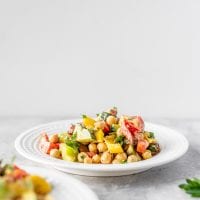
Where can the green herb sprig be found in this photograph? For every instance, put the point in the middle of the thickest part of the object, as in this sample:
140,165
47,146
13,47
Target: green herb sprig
72,141
120,139
192,187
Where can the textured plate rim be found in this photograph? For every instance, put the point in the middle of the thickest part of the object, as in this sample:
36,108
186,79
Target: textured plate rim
101,167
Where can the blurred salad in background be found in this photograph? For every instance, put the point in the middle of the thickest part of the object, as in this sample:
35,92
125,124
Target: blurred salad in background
17,184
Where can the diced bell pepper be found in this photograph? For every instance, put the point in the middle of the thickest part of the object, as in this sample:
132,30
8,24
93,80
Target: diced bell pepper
110,139
88,122
115,148
99,135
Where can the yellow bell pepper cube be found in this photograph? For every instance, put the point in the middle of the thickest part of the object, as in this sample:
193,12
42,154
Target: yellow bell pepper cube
151,140
88,122
99,135
110,139
41,186
115,148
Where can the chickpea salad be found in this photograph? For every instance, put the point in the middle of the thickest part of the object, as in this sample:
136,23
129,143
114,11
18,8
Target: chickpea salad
17,184
106,139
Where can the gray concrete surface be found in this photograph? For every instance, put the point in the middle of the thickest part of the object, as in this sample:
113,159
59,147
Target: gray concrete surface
155,184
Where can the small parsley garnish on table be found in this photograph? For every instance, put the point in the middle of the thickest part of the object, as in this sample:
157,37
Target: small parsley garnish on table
192,187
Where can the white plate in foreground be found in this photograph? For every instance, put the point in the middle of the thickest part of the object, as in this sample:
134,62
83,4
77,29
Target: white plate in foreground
173,146
64,186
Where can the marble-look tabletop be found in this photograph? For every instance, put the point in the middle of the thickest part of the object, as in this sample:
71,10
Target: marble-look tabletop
160,183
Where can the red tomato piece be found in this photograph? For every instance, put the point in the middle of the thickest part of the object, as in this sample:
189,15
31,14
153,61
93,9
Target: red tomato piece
16,167
129,130
19,173
106,128
57,145
142,146
127,133
47,146
90,154
131,127
138,123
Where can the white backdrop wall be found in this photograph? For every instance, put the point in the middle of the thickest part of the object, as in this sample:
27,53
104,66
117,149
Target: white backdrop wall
71,57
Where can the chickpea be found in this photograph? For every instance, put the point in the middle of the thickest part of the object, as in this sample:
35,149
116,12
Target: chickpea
99,124
138,156
121,157
82,156
102,147
147,154
54,138
92,147
132,158
96,159
88,160
83,148
106,158
119,132
130,150
111,120
55,153
115,161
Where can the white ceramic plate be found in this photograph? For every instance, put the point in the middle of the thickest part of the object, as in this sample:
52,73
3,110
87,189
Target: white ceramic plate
64,186
173,146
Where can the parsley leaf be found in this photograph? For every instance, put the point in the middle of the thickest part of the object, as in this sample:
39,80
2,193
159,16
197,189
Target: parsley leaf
192,187
114,127
104,115
153,147
74,136
151,135
120,139
72,141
